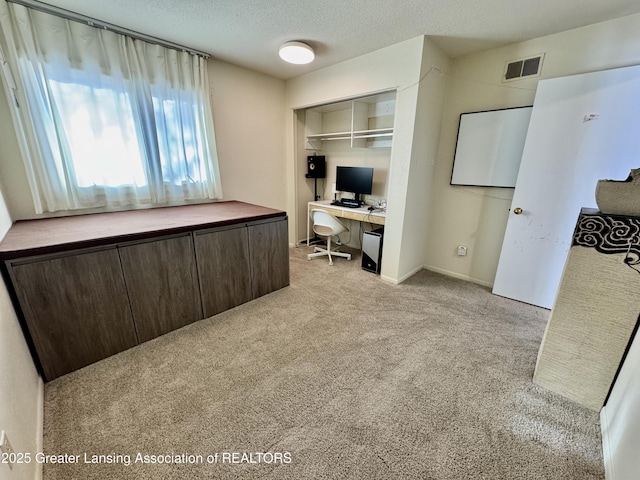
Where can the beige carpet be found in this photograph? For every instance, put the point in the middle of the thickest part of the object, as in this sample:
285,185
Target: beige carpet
339,376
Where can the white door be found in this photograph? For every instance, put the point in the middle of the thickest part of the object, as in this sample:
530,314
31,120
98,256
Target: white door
583,128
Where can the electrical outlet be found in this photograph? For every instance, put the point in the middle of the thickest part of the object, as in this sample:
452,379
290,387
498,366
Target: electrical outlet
462,250
6,448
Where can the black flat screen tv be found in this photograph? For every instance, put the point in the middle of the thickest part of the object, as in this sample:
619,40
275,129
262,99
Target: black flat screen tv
357,180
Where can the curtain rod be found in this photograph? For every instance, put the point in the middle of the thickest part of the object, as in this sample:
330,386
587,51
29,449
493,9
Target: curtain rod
92,22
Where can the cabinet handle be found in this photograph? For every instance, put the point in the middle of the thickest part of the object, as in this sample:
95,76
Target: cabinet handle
517,210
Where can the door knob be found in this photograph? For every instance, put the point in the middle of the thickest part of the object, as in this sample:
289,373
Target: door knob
517,210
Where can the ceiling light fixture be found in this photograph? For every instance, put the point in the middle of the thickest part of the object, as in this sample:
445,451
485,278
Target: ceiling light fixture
296,52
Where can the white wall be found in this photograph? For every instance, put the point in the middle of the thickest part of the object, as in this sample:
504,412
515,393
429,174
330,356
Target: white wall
12,173
620,421
396,67
475,216
21,389
430,102
248,115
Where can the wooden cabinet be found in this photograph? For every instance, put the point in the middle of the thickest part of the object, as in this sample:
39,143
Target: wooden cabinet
76,309
91,286
162,282
224,268
239,264
269,252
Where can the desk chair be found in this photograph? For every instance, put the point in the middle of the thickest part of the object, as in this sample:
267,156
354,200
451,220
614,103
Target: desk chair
326,225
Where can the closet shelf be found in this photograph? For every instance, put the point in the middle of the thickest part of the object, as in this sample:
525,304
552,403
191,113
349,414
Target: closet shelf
376,133
365,122
330,136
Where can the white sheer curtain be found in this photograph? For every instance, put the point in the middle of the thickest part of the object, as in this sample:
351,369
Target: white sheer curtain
107,120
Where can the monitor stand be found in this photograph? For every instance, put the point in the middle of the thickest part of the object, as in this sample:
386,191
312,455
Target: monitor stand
351,202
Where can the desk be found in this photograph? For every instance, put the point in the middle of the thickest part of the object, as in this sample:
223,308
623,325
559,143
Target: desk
359,214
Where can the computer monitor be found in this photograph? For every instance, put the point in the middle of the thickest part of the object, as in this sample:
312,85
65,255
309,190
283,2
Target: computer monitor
357,180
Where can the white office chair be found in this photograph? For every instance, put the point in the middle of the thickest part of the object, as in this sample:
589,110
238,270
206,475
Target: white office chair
326,225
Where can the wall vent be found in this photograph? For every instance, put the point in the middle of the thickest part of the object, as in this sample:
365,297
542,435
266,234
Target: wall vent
524,67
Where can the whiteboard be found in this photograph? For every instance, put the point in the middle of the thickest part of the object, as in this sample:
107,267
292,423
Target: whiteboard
489,147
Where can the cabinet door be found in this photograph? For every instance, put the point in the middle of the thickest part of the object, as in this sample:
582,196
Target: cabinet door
223,266
162,282
269,248
76,309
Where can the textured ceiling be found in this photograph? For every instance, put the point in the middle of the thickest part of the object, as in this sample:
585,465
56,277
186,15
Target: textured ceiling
249,32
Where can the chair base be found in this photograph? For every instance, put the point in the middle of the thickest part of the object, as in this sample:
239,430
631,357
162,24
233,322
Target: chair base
321,252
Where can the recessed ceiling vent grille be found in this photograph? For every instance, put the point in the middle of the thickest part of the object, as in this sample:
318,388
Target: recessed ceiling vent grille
525,67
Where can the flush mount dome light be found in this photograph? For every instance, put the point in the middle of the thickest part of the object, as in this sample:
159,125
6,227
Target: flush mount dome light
296,52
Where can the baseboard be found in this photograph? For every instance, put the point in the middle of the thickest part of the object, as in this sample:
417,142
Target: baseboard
397,281
437,270
389,279
606,445
458,275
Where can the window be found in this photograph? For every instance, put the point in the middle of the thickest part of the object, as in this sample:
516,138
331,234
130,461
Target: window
100,131
108,121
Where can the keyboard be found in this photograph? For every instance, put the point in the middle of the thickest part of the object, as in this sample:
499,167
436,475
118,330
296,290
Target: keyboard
347,204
